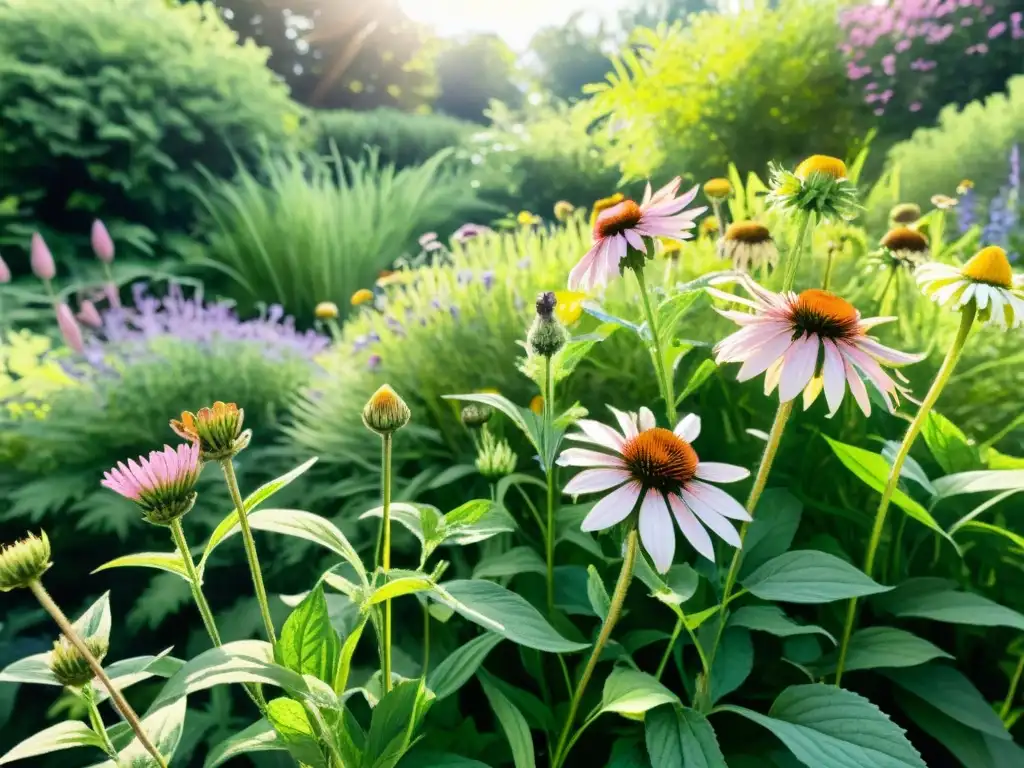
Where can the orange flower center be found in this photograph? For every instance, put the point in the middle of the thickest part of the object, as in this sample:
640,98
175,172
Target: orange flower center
660,459
825,314
748,232
823,164
617,219
990,265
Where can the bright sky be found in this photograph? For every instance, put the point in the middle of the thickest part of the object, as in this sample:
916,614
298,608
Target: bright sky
514,20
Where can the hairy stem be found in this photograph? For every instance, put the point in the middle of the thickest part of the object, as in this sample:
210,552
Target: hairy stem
549,529
194,582
96,721
386,553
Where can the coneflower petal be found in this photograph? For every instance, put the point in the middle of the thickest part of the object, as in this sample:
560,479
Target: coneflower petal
691,528
613,508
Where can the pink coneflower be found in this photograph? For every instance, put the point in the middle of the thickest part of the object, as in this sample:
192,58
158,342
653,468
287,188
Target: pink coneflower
163,484
810,342
656,471
626,225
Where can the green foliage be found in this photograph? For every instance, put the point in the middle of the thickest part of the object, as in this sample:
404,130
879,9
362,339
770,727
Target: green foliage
685,97
473,72
400,138
106,107
306,230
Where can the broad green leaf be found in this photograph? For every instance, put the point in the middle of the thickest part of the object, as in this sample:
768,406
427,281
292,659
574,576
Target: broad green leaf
393,723
538,715
460,665
230,523
630,692
289,719
873,470
308,643
1015,538
703,372
827,726
971,747
679,736
161,561
500,610
425,759
466,514
681,584
771,533
495,520
397,587
33,669
933,600
96,620
695,620
164,726
258,737
628,753
671,311
519,416
888,648
951,693
512,723
596,593
66,735
128,672
980,481
409,516
948,444
510,563
809,576
774,621
348,649
733,663
573,353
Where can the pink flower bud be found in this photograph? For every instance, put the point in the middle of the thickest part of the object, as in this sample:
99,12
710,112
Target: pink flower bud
5,272
113,296
89,315
69,328
102,245
42,260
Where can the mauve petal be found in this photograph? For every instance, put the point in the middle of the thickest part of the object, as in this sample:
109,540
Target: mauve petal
834,376
772,376
857,388
718,500
656,531
581,457
594,480
761,359
721,473
646,419
612,509
712,519
691,528
626,423
635,240
887,354
798,367
579,277
688,427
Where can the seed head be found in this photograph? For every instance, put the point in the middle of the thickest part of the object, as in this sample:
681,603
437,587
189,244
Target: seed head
326,310
717,189
905,239
563,210
218,430
748,232
24,561
68,664
475,415
905,213
362,296
385,412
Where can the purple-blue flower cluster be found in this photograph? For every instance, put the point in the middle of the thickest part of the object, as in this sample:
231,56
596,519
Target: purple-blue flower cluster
1004,210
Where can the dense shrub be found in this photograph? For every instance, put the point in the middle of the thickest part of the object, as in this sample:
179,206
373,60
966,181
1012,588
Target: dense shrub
686,97
107,105
400,138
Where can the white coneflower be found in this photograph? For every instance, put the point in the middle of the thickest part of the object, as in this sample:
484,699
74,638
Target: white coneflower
749,246
986,281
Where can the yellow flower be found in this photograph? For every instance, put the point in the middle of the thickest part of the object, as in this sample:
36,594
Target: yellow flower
832,167
563,210
717,189
671,248
569,306
604,204
709,226
537,404
362,296
326,310
964,186
527,219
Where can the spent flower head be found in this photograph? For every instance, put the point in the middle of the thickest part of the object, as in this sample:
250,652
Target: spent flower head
475,415
749,245
163,484
68,664
656,474
819,185
24,561
986,281
217,430
905,213
385,412
546,335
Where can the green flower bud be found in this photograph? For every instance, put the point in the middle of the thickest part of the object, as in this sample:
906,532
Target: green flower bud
386,412
24,561
68,664
495,458
476,415
546,336
218,430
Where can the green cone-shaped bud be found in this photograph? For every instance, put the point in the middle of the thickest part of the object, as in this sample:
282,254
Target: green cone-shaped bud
24,561
386,412
68,664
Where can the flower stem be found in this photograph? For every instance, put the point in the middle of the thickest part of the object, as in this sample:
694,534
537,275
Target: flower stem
178,534
943,375
549,472
426,641
828,268
386,553
122,706
614,611
794,256
680,623
885,289
716,206
664,377
250,549
760,480
1011,694
96,721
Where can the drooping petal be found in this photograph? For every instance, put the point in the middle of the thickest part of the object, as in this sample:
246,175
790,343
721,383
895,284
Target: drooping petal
688,427
594,480
721,473
656,531
613,508
718,500
581,457
712,519
691,528
834,375
580,276
798,366
767,354
857,388
887,354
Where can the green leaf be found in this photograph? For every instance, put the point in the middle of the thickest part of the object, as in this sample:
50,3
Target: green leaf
164,726
258,737
827,726
409,516
162,561
309,644
704,372
671,311
873,470
936,601
128,672
980,481
1015,538
733,663
809,576
630,692
774,621
66,735
397,586
948,444
951,693
422,759
510,563
500,610
460,665
33,669
230,523
348,649
888,648
519,416
95,622
772,530
495,520
512,723
289,719
679,736
681,584
596,593
467,514
393,723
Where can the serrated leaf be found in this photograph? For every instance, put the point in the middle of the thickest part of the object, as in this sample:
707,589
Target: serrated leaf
888,648
466,514
774,621
935,600
289,719
258,737
733,663
631,692
512,723
308,643
170,562
679,737
809,576
460,665
66,735
697,379
971,747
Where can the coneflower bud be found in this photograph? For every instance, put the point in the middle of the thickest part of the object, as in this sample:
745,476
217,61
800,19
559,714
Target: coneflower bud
41,259
825,165
69,328
546,304
386,412
217,430
68,664
717,189
24,561
113,295
102,245
89,315
326,310
5,272
495,458
546,336
905,213
475,415
563,210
